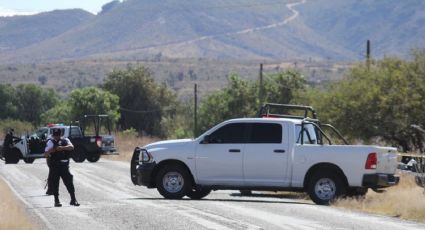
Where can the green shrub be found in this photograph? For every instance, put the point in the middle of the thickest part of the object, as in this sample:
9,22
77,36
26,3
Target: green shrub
20,127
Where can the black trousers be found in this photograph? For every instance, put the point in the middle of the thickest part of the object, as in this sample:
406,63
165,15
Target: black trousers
57,171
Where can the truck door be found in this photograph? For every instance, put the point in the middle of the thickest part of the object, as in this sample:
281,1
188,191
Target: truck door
219,162
266,155
22,145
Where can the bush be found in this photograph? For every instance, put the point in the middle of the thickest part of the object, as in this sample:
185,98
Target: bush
20,127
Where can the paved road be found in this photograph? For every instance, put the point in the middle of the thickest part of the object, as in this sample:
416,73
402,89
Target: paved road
110,201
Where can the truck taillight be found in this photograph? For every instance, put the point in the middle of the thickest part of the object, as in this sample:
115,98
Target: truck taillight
99,141
371,161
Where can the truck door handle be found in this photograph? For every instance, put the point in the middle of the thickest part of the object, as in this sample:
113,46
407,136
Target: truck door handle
279,151
234,150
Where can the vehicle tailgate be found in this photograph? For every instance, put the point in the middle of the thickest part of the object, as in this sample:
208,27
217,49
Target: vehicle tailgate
387,160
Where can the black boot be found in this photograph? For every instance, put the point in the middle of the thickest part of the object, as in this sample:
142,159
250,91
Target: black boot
74,201
57,202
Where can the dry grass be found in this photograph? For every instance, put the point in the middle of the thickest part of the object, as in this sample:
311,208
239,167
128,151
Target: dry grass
406,200
12,214
126,144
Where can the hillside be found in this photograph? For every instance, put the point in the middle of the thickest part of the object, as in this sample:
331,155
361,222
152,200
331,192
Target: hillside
394,27
240,29
21,31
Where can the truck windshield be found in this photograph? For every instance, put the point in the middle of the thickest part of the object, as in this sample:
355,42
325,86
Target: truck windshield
41,132
309,134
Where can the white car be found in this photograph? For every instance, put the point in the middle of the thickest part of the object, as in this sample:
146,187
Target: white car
276,154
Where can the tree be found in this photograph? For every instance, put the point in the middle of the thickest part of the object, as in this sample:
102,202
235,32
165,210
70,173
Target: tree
8,108
382,101
240,98
144,103
32,100
61,113
91,100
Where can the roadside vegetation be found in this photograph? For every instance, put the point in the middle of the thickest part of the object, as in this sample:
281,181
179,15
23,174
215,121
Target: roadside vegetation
406,201
12,215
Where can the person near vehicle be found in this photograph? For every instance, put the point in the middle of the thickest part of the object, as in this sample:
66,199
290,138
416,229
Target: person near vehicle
9,139
58,150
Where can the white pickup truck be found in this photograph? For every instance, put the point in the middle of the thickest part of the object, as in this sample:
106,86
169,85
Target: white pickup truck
269,153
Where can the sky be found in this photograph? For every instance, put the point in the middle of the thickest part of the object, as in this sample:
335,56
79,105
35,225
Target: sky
25,7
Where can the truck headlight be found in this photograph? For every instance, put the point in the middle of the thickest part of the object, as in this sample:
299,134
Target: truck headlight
145,157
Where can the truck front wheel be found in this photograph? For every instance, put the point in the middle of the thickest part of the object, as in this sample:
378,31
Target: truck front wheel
173,182
324,187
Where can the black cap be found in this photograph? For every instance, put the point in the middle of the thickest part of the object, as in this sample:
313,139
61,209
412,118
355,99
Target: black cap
56,132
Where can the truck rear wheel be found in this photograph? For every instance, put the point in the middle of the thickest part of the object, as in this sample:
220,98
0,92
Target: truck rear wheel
324,187
173,182
78,155
93,157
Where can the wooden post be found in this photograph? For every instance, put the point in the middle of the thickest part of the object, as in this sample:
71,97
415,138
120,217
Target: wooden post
261,93
368,54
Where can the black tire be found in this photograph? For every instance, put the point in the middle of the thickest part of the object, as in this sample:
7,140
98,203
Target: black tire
93,157
29,160
198,193
78,155
133,166
245,192
173,181
324,187
13,156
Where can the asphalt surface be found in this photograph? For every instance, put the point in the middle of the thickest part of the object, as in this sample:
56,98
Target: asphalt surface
110,201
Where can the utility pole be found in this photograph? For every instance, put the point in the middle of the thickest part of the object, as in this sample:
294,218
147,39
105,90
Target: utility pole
368,54
195,115
261,93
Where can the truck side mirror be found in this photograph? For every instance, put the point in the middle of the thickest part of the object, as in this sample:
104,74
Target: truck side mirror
206,139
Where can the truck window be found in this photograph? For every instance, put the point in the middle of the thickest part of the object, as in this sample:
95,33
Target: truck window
309,134
75,132
41,133
265,133
62,131
230,133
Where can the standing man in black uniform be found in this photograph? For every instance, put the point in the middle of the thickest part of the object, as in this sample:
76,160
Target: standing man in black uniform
58,149
9,140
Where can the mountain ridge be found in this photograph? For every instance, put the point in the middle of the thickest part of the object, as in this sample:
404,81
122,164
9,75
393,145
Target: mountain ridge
242,29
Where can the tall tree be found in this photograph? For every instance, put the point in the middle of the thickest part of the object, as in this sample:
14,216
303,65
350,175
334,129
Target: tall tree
32,101
91,100
382,101
8,106
144,103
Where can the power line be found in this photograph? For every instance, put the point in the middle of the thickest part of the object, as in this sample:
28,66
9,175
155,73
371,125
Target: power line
146,111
